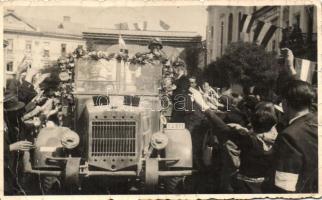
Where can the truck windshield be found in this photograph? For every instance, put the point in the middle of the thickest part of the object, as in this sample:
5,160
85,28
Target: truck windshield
117,77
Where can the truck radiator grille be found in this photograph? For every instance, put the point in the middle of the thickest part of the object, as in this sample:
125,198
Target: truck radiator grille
113,138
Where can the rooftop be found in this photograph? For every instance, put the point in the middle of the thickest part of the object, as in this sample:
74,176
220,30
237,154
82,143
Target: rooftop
16,23
142,36
13,22
142,33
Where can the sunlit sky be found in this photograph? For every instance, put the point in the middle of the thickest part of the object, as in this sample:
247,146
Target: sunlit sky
187,18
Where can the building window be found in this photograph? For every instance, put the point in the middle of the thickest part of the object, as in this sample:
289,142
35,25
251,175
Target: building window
9,48
297,19
63,49
212,32
274,46
10,66
239,24
66,18
46,50
310,22
221,38
286,14
28,46
230,28
46,53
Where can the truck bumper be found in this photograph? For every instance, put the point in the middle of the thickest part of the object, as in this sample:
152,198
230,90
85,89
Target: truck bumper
87,173
134,173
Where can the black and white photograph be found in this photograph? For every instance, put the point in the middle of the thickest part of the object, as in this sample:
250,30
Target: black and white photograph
160,100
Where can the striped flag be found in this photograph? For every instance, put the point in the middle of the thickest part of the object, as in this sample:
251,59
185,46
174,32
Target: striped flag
246,22
141,26
145,25
122,44
263,33
136,26
122,26
164,26
305,69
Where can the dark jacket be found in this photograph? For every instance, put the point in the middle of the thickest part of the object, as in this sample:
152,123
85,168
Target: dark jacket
9,164
296,156
181,100
25,90
254,161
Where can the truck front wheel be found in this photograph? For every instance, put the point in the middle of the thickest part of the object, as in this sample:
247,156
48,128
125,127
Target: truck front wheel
174,184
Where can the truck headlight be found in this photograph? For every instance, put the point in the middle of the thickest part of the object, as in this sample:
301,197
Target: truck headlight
159,140
70,139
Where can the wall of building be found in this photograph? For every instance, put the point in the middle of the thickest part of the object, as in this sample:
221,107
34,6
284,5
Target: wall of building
35,47
222,29
218,26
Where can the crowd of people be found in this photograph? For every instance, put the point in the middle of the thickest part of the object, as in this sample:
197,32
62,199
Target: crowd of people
257,142
33,99
262,141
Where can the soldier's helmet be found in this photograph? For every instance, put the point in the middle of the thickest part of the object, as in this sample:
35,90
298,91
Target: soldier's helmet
155,42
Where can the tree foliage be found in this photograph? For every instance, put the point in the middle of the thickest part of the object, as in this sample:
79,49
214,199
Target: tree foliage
243,63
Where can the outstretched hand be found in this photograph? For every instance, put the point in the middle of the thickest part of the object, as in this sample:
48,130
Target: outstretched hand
289,59
21,146
242,130
31,72
198,98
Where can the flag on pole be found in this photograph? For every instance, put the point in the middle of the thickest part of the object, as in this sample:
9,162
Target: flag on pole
145,25
305,69
122,26
136,26
263,33
247,22
164,26
257,30
122,44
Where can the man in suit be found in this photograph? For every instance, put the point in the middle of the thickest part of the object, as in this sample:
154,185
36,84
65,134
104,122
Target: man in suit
180,97
296,148
14,144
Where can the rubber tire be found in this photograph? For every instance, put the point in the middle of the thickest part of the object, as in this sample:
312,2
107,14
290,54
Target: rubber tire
51,185
173,185
151,175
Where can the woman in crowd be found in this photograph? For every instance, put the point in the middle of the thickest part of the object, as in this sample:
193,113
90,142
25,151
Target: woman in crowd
255,145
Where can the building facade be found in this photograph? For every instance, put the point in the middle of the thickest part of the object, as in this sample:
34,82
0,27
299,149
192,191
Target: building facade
224,25
37,41
41,41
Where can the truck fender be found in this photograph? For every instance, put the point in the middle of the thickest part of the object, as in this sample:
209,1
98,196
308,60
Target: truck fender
179,147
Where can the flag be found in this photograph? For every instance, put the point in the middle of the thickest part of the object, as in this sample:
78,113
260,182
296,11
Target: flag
122,26
269,34
305,69
136,26
145,25
117,26
122,44
263,33
257,30
164,26
246,22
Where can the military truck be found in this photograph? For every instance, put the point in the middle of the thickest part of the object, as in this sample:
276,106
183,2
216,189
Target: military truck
122,132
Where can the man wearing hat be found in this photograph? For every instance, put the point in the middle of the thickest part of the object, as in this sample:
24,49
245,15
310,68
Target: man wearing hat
155,46
22,86
13,144
180,98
